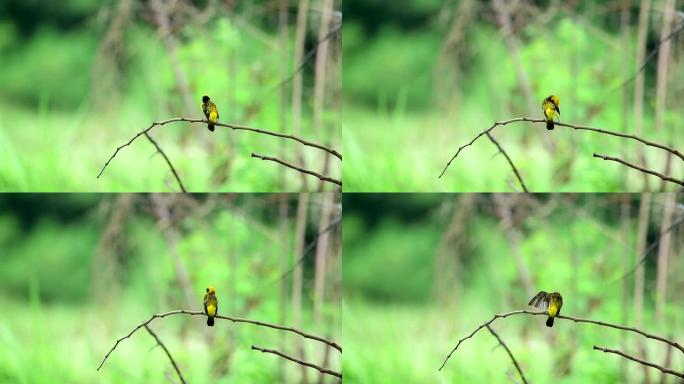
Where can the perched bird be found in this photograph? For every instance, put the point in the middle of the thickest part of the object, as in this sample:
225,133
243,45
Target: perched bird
549,302
210,305
550,110
210,111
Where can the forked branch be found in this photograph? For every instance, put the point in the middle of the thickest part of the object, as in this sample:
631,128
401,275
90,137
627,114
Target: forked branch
233,319
575,319
231,126
672,150
298,361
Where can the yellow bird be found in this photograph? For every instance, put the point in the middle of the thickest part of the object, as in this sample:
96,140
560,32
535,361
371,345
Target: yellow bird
549,302
550,110
210,111
210,305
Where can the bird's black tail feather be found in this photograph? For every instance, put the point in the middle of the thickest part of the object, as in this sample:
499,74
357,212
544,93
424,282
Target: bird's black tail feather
549,125
211,127
210,320
549,322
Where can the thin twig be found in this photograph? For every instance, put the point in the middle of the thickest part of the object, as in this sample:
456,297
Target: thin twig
175,366
231,126
300,169
642,169
653,245
624,328
576,127
652,365
302,362
175,174
496,316
515,170
574,319
233,319
515,362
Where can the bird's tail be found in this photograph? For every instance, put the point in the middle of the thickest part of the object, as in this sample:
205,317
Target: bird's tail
211,127
549,125
549,322
210,320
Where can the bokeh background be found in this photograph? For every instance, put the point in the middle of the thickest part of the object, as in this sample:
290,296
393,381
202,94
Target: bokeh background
81,77
422,78
422,271
80,271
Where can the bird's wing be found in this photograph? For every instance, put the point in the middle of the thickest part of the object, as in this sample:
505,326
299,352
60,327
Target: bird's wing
541,300
205,110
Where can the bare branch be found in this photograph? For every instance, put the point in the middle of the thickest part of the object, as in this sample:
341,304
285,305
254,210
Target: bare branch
308,172
175,174
517,174
231,126
576,127
574,319
496,316
642,169
652,365
515,362
233,319
175,366
302,362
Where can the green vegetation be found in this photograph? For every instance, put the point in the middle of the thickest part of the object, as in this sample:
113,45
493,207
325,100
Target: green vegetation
422,271
423,78
81,80
81,271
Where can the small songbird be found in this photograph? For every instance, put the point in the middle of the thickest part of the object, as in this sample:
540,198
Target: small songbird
549,302
550,109
210,111
210,305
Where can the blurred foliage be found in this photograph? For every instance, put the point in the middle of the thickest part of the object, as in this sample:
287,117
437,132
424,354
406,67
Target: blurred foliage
80,78
416,89
407,301
80,271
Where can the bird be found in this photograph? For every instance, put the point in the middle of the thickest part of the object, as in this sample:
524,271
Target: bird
210,111
549,302
550,109
210,305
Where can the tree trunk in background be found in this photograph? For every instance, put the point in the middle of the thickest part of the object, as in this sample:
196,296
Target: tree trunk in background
161,204
321,257
625,43
623,250
282,251
642,230
321,78
662,79
161,18
300,232
283,38
642,33
504,210
447,259
297,85
663,256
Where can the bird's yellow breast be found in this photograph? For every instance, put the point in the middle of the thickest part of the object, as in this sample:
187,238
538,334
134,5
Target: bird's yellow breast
211,310
553,309
213,115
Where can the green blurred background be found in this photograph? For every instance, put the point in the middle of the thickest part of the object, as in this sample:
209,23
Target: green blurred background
423,77
81,77
80,271
422,271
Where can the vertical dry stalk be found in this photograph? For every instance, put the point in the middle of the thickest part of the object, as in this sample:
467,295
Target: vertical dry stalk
297,276
284,244
663,257
283,37
662,77
642,33
642,230
321,77
297,83
504,209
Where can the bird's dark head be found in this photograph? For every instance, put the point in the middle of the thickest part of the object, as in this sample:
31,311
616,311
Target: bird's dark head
205,99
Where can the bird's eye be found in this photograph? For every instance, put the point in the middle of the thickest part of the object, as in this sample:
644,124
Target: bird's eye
207,289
